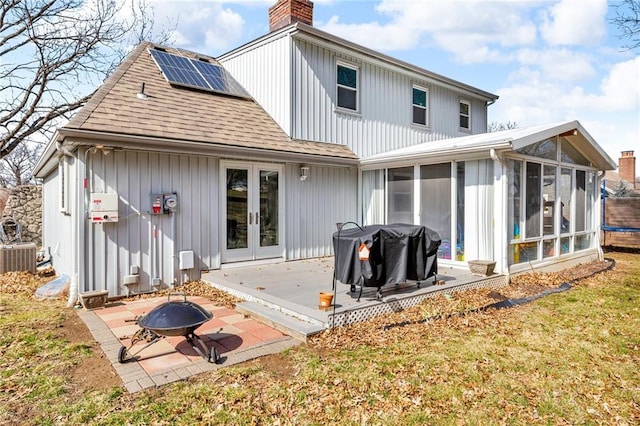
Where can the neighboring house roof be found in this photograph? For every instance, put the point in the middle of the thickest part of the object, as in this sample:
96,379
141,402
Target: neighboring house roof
182,116
503,141
612,181
307,32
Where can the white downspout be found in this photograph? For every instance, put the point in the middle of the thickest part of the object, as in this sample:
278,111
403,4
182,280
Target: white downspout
500,209
598,212
73,285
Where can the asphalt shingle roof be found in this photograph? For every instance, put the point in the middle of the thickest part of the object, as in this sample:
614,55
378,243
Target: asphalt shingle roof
185,114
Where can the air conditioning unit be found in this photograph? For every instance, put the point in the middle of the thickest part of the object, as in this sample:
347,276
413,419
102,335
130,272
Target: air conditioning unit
18,257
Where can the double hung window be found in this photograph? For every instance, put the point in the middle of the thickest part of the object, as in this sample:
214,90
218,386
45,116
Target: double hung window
465,115
347,87
420,108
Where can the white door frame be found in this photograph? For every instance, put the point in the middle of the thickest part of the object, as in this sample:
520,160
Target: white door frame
253,251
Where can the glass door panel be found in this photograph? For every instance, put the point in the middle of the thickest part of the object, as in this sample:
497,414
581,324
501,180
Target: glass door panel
269,211
252,212
237,208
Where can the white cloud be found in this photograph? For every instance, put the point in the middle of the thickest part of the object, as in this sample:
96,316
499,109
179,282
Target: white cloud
621,88
472,30
558,64
610,112
374,35
204,26
224,30
574,22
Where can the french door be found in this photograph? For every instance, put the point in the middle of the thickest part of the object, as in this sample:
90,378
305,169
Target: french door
252,211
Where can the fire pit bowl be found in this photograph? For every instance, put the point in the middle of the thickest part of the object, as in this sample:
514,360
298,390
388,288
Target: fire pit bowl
172,318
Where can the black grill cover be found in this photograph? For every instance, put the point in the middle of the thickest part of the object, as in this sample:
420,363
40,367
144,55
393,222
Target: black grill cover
398,252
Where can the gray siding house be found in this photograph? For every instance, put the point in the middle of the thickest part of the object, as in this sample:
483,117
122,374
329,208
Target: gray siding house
182,163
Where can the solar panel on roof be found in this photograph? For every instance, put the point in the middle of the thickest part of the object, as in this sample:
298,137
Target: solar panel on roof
213,74
178,69
195,73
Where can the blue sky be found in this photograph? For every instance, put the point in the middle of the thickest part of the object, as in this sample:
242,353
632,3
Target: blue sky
547,60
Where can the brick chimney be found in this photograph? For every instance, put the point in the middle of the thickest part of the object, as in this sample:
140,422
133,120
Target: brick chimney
286,12
627,167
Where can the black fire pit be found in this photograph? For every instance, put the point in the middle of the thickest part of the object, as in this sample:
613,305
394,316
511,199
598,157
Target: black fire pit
172,318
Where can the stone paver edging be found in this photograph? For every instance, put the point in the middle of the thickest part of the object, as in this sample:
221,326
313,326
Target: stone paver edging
135,378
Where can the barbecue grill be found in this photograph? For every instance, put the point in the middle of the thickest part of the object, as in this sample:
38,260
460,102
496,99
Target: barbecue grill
375,255
172,318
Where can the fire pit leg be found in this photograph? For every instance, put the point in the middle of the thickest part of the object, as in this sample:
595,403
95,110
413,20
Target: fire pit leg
211,355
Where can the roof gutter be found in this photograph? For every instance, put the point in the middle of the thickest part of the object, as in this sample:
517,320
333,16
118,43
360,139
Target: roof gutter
436,154
147,143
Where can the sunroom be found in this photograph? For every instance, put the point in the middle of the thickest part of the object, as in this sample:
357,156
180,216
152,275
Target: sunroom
524,198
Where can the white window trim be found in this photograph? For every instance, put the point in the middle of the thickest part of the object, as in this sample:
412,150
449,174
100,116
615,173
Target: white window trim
468,103
426,108
63,185
357,90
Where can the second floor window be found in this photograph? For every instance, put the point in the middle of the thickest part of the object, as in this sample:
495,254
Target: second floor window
465,115
420,105
347,78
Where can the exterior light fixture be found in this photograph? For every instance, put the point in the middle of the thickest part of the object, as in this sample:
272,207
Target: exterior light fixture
304,173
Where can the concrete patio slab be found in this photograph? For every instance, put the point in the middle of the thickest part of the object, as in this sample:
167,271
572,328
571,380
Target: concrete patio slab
292,289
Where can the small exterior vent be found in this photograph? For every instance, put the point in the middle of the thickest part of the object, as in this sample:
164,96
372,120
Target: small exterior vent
18,257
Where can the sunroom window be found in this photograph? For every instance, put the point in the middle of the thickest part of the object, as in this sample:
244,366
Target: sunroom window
435,193
551,203
400,200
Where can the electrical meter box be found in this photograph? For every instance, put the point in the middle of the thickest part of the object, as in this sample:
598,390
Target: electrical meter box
164,203
103,207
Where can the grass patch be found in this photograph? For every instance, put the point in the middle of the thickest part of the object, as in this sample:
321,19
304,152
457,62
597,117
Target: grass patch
569,358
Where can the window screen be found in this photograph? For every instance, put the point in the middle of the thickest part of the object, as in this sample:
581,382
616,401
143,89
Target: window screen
347,79
419,106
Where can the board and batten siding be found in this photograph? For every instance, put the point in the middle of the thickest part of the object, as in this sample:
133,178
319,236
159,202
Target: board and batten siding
312,209
112,248
57,227
314,206
265,72
295,82
384,119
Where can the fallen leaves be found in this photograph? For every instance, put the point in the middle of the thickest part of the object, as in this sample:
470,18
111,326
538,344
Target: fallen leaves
21,282
196,288
444,312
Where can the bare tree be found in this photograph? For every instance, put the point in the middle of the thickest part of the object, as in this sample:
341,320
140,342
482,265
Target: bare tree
627,20
54,52
494,126
16,167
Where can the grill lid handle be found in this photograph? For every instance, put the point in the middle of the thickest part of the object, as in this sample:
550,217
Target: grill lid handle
184,295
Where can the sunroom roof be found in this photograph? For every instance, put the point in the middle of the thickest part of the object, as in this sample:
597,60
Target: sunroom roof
480,145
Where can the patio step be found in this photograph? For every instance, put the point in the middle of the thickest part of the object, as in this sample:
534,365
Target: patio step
294,327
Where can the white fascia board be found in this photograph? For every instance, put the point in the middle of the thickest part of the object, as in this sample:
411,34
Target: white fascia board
475,152
154,144
260,41
591,150
606,162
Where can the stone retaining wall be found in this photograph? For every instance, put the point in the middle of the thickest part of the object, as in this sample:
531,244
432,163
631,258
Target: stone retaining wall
25,206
